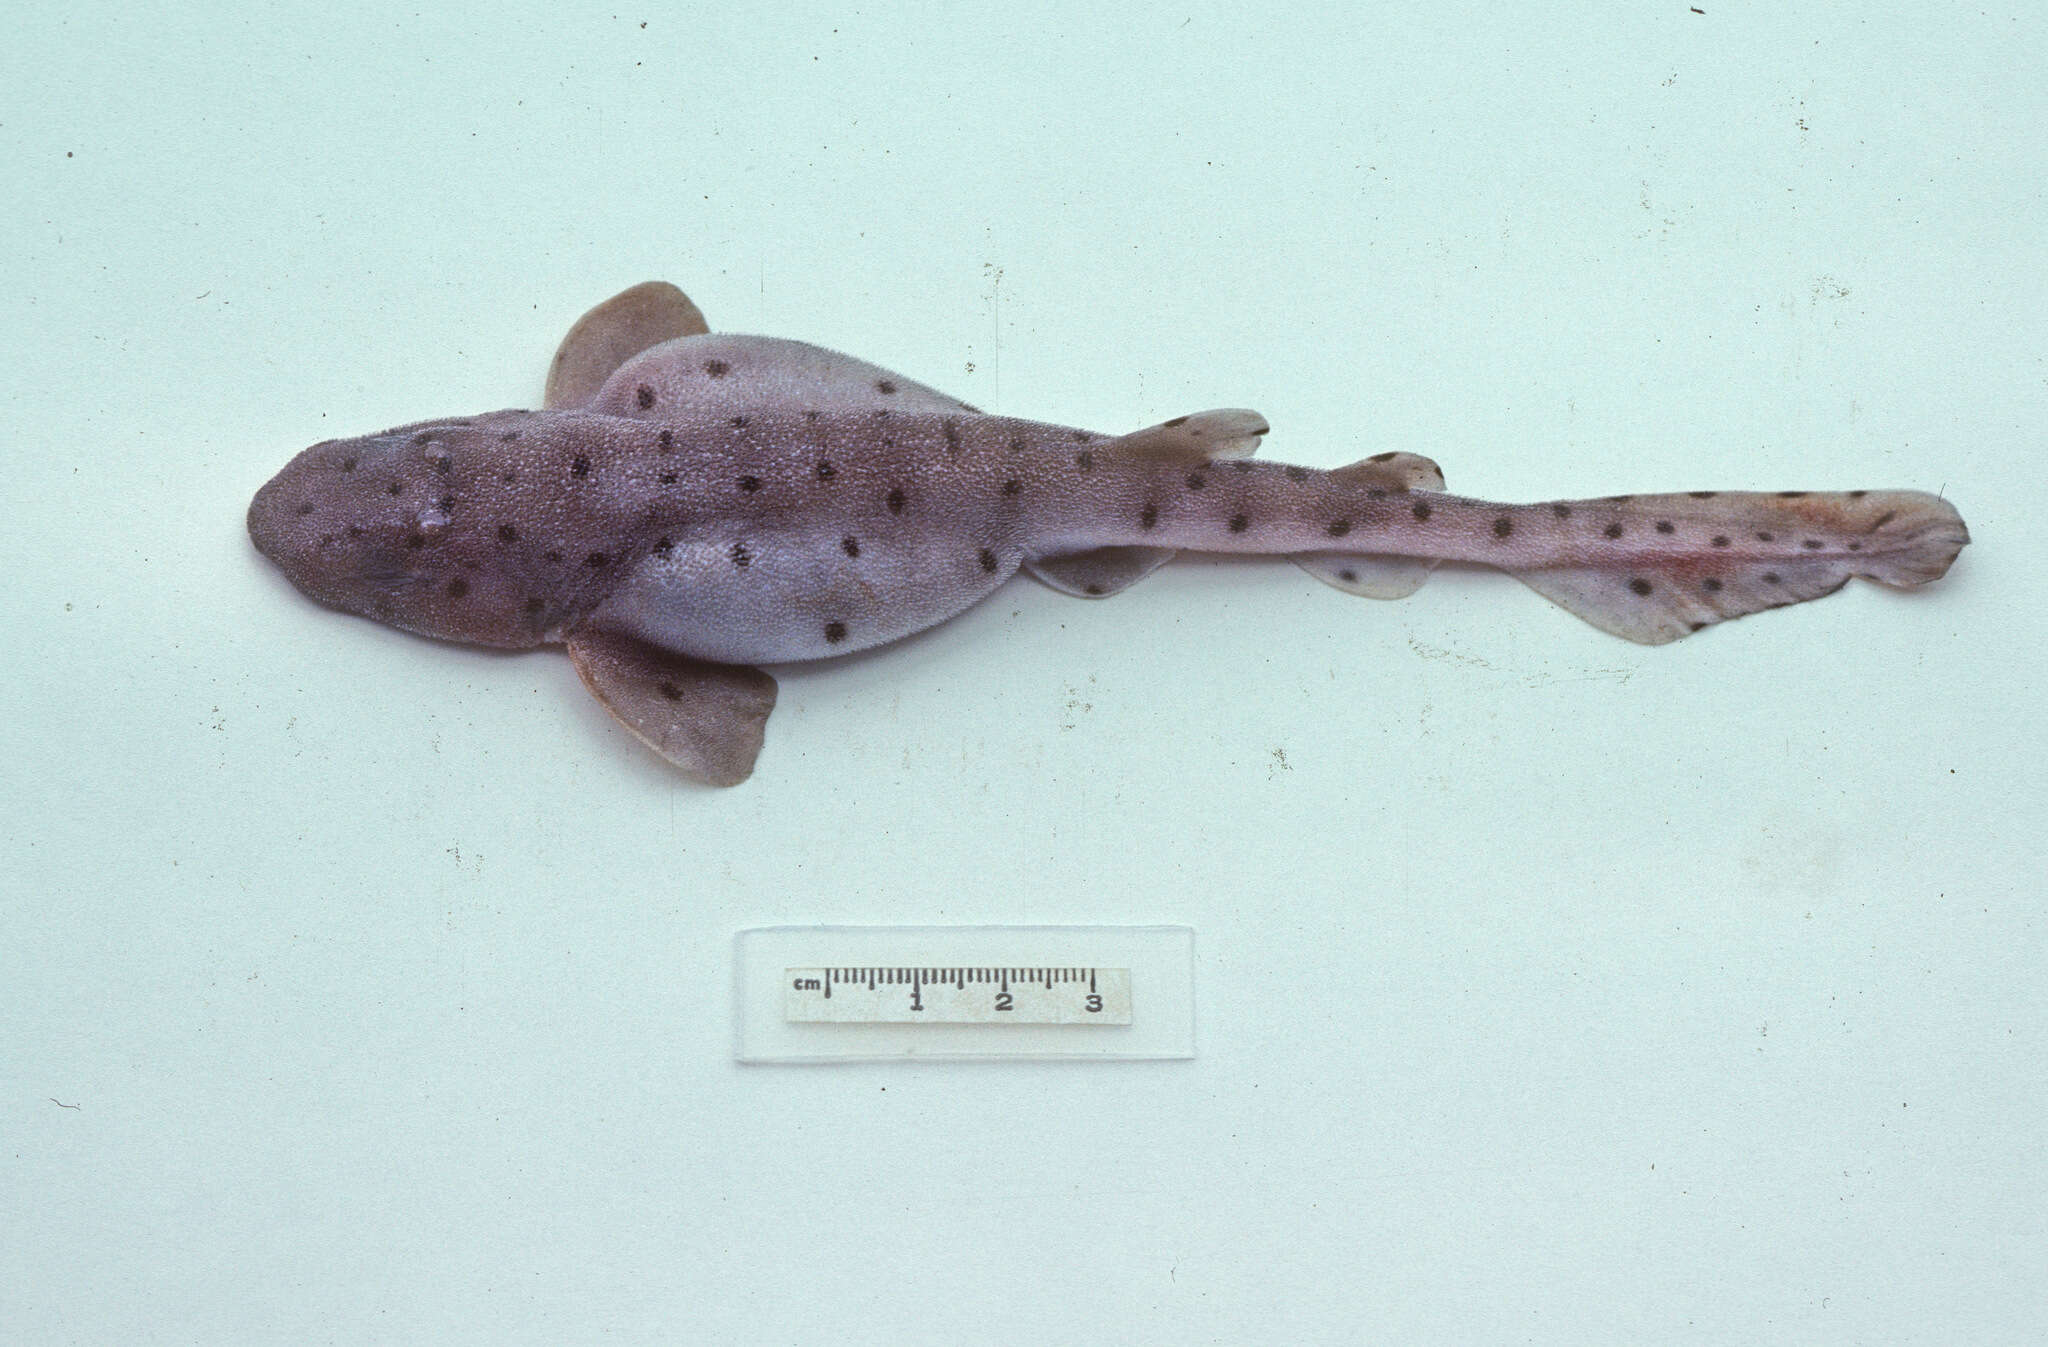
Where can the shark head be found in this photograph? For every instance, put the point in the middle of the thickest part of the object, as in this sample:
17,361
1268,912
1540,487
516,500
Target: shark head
376,526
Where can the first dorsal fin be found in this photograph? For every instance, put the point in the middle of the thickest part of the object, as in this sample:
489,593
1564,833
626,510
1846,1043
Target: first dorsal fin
614,332
1199,438
1230,432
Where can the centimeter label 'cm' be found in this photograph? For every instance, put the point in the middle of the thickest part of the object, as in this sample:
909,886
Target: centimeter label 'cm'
981,995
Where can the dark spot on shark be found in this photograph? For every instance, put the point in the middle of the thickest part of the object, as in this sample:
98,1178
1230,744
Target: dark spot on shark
444,503
552,556
349,464
1711,585
1196,481
1012,487
1296,473
1613,530
1242,465
1338,528
1149,516
850,545
896,500
1620,498
1855,547
305,508
1813,544
1770,577
664,546
1083,436
716,368
1764,537
1887,517
811,414
750,483
442,464
1084,460
1178,421
579,466
826,472
508,477
1421,511
667,479
1703,495
669,690
1719,540
1348,576
535,605
1381,458
1376,493
1641,586
507,534
952,428
1561,511
667,440
597,561
1016,444
1858,495
1697,626
1503,526
457,587
884,387
987,559
508,437
393,489
739,423
644,395
1791,495
415,541
1093,591
1238,523
1664,526
835,632
740,556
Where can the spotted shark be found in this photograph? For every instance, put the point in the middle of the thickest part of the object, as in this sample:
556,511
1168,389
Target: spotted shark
688,506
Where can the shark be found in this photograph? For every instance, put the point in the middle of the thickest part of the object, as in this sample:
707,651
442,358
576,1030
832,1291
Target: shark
688,506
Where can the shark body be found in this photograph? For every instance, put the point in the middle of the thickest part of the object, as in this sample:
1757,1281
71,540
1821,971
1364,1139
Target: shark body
688,506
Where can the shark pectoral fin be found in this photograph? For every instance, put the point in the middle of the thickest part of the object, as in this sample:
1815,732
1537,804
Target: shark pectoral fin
1366,574
1099,573
707,719
1228,433
613,333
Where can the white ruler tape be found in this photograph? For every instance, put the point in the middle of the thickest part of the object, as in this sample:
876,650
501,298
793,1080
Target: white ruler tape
836,993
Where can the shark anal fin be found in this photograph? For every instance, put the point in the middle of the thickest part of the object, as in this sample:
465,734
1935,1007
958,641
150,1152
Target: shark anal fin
1100,572
707,719
1366,574
613,333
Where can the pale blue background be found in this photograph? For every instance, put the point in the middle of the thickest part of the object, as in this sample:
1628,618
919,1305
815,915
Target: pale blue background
355,988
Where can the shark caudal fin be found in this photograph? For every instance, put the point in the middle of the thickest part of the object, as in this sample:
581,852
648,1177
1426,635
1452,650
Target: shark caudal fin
1762,551
1373,575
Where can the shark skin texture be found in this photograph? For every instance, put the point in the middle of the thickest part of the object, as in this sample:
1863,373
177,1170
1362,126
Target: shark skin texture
689,505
